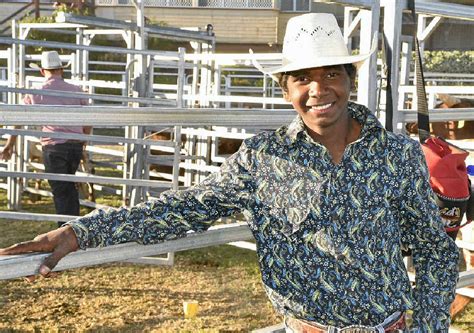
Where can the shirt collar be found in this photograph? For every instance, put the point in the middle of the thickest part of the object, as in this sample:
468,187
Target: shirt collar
55,77
359,112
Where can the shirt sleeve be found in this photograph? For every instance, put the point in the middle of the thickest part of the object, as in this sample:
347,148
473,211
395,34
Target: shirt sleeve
174,213
435,254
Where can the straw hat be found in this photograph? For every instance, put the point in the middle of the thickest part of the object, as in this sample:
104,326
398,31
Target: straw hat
49,60
313,40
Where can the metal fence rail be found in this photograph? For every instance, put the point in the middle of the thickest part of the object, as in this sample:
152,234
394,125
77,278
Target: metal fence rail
189,160
234,4
24,265
87,137
86,179
100,97
149,116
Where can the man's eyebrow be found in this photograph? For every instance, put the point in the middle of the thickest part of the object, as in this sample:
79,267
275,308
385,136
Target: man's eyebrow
297,73
338,67
306,71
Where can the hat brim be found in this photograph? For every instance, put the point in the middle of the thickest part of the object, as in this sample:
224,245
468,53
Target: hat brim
356,60
36,66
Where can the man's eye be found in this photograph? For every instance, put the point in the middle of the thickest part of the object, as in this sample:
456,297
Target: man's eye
302,78
332,75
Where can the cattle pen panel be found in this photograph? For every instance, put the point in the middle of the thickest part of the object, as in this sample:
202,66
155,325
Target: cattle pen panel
95,115
123,116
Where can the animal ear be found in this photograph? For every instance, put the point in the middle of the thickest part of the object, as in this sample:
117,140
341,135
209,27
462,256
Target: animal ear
448,99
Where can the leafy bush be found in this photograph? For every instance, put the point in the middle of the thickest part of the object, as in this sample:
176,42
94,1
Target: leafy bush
449,61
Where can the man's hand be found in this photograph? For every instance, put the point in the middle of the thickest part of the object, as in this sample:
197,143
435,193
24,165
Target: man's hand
6,153
60,242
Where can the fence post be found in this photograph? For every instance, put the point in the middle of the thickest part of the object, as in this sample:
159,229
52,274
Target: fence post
37,8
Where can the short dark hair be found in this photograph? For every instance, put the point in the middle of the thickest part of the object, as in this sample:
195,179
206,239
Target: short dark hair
55,70
283,77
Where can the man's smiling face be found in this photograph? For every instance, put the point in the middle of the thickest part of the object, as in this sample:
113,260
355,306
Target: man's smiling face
320,95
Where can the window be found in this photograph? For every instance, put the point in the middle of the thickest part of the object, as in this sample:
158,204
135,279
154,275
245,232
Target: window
295,5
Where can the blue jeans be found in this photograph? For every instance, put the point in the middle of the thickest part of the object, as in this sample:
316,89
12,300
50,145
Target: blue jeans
63,158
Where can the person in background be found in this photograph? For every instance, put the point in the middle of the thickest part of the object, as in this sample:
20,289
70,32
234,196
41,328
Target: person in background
60,156
331,199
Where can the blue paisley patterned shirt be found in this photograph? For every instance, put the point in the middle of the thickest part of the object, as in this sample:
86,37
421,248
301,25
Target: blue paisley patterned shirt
328,236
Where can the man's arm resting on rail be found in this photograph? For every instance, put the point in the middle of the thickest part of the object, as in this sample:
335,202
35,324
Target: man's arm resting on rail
176,212
59,242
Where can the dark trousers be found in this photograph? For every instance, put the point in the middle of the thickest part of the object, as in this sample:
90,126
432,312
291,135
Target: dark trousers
63,158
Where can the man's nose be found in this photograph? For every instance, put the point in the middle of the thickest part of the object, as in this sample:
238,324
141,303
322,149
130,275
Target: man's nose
316,89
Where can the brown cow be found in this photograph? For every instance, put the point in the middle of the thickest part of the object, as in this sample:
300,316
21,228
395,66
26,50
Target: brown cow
452,130
225,147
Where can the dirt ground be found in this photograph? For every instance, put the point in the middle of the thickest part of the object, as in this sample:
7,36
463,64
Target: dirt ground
143,298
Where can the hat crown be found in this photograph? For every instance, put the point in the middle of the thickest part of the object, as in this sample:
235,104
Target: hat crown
313,35
313,40
50,60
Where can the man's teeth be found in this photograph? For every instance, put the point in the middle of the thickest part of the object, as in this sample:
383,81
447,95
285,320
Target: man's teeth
321,107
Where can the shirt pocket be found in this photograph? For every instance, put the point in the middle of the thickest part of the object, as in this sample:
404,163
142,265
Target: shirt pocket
288,191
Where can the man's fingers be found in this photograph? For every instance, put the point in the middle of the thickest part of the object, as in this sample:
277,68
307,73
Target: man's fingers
24,247
61,250
39,244
30,278
33,278
62,237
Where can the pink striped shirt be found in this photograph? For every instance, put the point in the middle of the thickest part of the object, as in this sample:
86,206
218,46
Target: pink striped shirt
56,82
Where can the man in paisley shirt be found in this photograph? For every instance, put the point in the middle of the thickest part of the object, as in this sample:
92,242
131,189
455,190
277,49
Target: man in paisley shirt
330,198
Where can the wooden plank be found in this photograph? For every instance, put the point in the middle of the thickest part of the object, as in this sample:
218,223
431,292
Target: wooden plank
28,264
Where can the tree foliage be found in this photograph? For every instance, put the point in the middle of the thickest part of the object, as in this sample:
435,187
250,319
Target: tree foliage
449,61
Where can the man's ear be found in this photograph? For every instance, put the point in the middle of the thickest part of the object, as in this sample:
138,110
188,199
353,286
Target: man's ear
353,82
42,71
353,85
286,96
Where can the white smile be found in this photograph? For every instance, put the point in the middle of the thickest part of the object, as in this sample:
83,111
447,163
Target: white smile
321,107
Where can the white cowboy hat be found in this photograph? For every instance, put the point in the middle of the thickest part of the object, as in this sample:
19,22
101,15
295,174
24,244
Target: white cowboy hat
313,40
49,60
